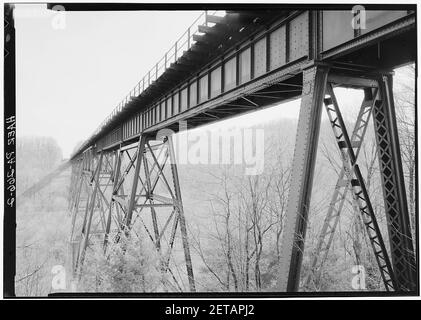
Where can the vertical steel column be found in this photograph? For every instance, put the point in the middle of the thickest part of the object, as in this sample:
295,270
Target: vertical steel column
76,176
396,207
72,189
72,183
77,185
74,209
149,191
132,200
87,228
180,209
292,245
116,176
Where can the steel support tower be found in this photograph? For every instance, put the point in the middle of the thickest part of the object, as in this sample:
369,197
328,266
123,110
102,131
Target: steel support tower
399,271
112,193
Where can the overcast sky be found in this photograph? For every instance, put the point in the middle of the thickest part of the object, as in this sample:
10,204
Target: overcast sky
69,80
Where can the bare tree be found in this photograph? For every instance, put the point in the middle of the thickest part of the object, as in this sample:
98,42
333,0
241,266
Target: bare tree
247,213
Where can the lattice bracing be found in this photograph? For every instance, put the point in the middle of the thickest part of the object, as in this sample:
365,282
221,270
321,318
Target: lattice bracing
342,187
399,271
360,194
134,192
396,208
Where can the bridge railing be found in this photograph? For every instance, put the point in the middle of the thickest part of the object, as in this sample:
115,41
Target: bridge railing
184,43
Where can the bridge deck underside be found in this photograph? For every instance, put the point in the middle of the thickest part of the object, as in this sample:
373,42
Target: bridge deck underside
261,71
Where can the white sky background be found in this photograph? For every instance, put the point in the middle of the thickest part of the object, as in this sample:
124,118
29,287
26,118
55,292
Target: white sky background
69,80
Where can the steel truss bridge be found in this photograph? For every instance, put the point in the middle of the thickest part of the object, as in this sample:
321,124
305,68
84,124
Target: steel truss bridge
241,61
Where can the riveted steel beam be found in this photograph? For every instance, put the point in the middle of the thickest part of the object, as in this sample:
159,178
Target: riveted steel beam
401,244
292,245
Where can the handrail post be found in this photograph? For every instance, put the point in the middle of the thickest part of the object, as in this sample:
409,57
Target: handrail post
175,52
188,38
